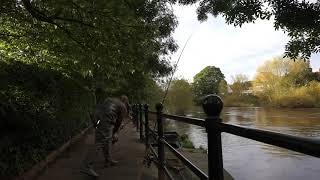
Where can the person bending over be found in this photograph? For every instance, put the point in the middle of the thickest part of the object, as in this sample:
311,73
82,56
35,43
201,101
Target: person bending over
108,118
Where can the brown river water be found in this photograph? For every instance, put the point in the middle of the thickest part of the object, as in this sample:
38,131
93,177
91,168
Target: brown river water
246,159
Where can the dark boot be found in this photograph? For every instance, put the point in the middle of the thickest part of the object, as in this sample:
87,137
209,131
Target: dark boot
109,163
88,169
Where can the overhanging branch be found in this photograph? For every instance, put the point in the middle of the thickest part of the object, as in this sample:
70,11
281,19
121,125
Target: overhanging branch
10,35
49,19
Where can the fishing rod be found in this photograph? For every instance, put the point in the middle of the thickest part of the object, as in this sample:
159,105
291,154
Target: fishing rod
175,69
173,72
148,154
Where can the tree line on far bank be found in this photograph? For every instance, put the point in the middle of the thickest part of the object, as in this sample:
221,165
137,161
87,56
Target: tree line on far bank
279,82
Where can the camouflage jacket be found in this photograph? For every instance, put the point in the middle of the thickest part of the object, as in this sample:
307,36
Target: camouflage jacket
111,113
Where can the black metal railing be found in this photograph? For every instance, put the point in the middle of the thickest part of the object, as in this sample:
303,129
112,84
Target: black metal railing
212,106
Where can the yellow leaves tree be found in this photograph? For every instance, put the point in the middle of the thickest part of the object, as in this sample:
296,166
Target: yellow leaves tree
265,85
285,82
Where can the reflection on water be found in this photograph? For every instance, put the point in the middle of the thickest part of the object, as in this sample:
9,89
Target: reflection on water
247,159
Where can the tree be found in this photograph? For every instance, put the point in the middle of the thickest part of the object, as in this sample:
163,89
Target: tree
223,88
277,76
267,81
180,96
106,41
299,73
240,83
300,19
153,93
207,82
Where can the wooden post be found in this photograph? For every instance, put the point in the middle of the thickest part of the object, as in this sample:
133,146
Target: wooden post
212,106
161,155
146,125
140,122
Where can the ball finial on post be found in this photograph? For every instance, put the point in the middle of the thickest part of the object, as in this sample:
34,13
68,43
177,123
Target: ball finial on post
159,107
212,105
146,106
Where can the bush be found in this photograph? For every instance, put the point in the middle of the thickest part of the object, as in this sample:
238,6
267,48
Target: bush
240,101
295,101
299,97
185,141
314,91
39,110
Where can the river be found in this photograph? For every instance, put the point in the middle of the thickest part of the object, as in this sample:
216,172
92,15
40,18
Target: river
250,160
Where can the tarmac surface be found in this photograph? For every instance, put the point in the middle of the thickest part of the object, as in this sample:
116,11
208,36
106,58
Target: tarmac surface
129,151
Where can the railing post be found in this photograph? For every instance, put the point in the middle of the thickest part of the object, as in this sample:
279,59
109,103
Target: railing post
134,113
146,125
161,173
212,106
133,108
136,116
140,122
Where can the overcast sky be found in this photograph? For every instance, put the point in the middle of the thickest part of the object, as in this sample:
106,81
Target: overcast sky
233,49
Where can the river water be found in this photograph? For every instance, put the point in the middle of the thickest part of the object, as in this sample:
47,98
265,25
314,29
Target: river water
250,160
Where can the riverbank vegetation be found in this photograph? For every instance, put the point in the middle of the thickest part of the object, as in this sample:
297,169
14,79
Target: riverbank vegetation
282,82
279,82
179,97
186,142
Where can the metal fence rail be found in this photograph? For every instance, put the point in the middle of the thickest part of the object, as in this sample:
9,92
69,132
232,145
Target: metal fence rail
212,106
188,163
309,146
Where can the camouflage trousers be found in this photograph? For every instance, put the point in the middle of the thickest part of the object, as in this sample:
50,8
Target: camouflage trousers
103,141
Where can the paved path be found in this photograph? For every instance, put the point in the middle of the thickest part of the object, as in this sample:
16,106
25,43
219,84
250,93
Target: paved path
128,151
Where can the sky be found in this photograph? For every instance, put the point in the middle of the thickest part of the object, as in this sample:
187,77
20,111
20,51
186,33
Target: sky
234,50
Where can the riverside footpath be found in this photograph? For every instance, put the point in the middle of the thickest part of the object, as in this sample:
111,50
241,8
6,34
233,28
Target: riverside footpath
129,151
